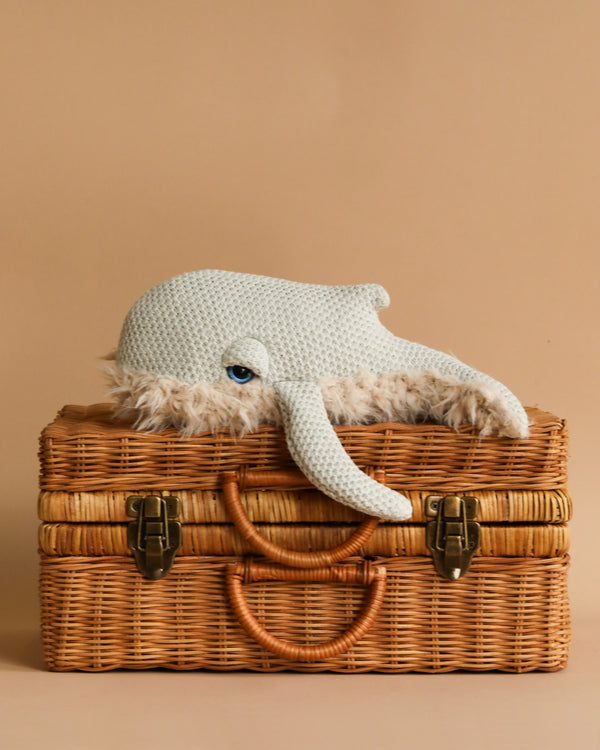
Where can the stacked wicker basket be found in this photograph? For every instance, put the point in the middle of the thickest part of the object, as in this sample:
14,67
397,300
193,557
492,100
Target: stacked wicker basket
271,575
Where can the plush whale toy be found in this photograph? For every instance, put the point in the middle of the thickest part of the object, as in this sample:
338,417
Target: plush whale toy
213,349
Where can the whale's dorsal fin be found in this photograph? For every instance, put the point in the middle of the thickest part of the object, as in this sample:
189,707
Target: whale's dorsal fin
376,295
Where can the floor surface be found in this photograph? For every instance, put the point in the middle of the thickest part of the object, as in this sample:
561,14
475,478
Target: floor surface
160,709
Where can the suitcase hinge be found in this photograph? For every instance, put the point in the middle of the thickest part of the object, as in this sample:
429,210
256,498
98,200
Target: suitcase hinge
154,537
454,535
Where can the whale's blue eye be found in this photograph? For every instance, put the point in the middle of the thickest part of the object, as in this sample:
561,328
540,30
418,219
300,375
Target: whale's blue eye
240,374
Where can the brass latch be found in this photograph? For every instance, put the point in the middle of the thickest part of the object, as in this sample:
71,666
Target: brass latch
454,535
153,536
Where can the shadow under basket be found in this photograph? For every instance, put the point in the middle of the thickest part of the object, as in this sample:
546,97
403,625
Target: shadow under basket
266,574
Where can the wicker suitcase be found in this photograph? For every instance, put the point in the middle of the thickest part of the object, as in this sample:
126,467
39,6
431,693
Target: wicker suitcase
215,553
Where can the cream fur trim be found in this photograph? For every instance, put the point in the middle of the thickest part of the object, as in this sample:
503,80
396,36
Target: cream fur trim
156,401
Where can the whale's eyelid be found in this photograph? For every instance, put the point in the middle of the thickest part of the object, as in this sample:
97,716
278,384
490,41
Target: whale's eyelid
249,353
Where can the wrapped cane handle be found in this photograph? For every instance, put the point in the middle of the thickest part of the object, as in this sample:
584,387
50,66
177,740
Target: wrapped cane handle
322,558
372,575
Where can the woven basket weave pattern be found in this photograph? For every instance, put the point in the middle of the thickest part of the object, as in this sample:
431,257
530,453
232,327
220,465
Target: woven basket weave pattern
507,614
510,612
221,539
299,506
86,450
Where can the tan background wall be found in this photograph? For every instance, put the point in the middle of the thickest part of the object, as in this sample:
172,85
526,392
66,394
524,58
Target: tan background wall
448,150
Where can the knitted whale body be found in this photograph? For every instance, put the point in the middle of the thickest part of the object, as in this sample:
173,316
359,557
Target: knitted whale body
212,349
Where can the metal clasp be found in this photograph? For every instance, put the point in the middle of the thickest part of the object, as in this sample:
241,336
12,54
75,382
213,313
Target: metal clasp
454,535
153,536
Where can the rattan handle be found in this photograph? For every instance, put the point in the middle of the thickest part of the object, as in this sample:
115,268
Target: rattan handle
366,573
231,495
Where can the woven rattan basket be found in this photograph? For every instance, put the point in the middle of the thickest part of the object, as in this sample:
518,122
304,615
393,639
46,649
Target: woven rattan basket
271,575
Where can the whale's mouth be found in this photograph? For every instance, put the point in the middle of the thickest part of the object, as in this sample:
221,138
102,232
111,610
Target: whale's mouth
154,402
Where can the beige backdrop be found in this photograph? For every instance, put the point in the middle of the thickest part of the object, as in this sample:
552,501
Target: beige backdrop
448,150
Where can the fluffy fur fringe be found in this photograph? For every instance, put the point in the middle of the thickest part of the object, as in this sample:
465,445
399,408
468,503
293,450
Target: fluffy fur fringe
154,402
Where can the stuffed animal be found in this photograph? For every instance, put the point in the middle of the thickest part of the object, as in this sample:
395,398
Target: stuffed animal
213,349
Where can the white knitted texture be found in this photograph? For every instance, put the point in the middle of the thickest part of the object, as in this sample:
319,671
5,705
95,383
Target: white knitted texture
179,338
183,327
321,457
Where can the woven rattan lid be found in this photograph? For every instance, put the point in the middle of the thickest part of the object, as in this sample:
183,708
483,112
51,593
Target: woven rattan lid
85,449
